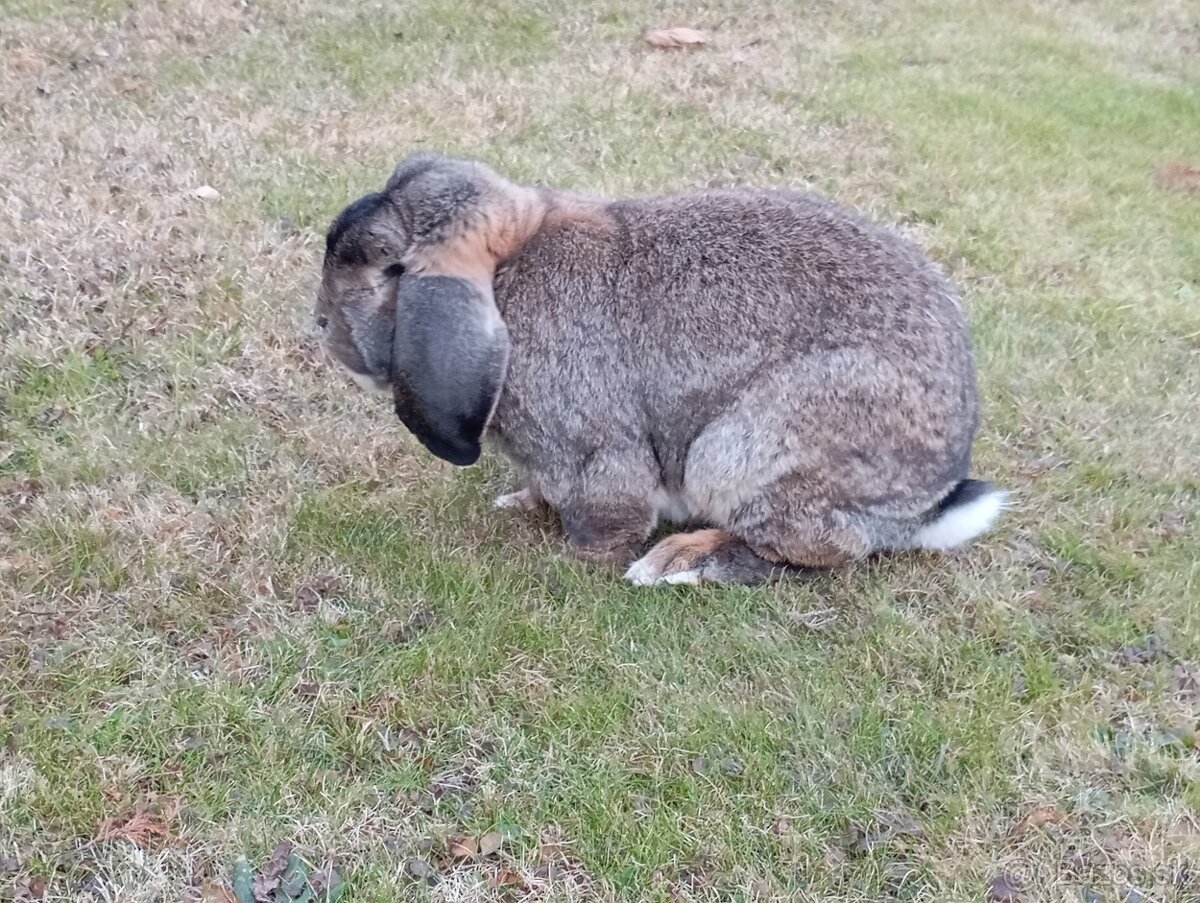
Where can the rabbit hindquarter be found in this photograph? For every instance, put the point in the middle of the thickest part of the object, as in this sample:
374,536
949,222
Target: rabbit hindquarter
765,365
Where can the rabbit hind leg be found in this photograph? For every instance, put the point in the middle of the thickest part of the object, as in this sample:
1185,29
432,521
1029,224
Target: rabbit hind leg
703,556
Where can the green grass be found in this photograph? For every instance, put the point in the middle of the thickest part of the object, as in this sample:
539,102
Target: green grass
238,593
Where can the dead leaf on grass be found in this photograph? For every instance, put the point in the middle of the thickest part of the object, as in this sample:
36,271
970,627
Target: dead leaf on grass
897,822
490,843
267,882
216,892
31,888
205,193
1179,176
147,828
505,877
309,594
326,883
1036,818
674,38
1184,681
1004,888
419,868
462,847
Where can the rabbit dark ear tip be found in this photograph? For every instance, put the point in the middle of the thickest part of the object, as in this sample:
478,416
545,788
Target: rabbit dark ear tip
460,454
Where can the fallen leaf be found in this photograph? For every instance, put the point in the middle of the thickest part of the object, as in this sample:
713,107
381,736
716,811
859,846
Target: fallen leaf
1179,176
326,883
674,38
307,689
1184,681
1040,815
31,888
419,868
9,865
1004,889
462,847
263,888
1172,525
206,193
505,877
310,593
277,861
146,828
216,892
1149,650
896,823
490,843
732,765
898,874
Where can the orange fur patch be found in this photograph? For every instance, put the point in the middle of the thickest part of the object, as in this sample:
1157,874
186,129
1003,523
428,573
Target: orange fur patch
684,551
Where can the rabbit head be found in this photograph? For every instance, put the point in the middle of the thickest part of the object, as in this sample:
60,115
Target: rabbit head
406,304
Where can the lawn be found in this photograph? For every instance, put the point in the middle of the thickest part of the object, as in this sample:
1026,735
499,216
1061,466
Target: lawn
239,605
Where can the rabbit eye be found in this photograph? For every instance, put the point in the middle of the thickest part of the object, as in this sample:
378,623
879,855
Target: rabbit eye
322,321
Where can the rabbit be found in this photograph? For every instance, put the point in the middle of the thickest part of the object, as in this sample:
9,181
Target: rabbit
788,381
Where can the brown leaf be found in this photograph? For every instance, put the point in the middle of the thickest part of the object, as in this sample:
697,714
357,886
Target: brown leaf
263,888
216,892
1179,176
146,828
505,877
490,843
307,689
1004,888
462,847
896,823
674,38
1184,681
31,888
276,863
324,881
1038,816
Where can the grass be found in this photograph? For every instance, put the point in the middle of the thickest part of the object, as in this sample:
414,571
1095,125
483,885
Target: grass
235,595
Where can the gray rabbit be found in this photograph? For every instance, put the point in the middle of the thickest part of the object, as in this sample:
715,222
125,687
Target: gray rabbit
792,381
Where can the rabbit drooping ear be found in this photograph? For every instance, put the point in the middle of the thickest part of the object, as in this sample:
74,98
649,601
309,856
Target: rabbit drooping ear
449,358
450,347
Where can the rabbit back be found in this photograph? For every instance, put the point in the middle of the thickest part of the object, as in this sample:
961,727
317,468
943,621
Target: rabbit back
736,338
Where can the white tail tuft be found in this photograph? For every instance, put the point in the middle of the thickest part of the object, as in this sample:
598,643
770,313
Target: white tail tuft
961,523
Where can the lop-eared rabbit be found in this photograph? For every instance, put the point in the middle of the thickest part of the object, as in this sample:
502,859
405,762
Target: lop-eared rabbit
793,383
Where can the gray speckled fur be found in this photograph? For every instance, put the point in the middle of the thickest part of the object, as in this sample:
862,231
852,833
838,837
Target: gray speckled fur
765,362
